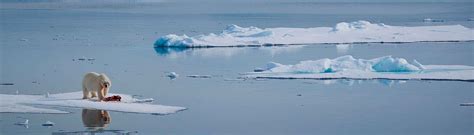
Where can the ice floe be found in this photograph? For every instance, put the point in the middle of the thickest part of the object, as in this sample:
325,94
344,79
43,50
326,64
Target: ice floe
347,67
344,32
30,103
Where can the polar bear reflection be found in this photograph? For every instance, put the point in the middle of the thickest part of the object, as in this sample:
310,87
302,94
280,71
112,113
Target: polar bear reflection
95,119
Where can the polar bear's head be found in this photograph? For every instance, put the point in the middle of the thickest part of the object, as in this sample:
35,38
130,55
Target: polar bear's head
105,81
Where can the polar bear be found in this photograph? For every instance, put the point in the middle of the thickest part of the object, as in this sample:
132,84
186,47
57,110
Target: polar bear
95,84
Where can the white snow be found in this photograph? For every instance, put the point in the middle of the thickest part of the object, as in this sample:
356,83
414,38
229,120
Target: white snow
353,32
347,67
30,103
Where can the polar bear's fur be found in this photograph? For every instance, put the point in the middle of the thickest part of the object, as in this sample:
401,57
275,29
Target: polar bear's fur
96,84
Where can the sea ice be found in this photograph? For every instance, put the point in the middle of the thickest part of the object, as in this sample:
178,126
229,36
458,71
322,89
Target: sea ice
25,103
344,32
347,67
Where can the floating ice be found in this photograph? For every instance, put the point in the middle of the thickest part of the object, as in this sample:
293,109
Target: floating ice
23,123
82,58
347,67
353,32
199,76
7,84
382,64
172,75
258,70
48,123
144,100
23,104
466,104
432,20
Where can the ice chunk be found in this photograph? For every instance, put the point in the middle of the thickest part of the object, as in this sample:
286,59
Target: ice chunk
258,70
348,67
48,123
358,25
466,104
26,122
432,20
82,58
382,64
144,100
389,64
21,103
199,76
172,75
344,32
174,40
418,65
7,84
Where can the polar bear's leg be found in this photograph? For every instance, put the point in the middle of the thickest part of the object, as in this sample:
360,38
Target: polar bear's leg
93,94
101,94
106,91
85,93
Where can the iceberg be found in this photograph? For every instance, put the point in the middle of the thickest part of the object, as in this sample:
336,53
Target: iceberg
348,67
341,33
29,103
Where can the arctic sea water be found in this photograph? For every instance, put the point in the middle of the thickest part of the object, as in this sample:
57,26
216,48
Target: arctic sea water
38,47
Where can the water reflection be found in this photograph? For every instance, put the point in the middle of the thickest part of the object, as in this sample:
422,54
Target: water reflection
96,122
350,82
107,132
164,51
174,52
95,119
343,48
